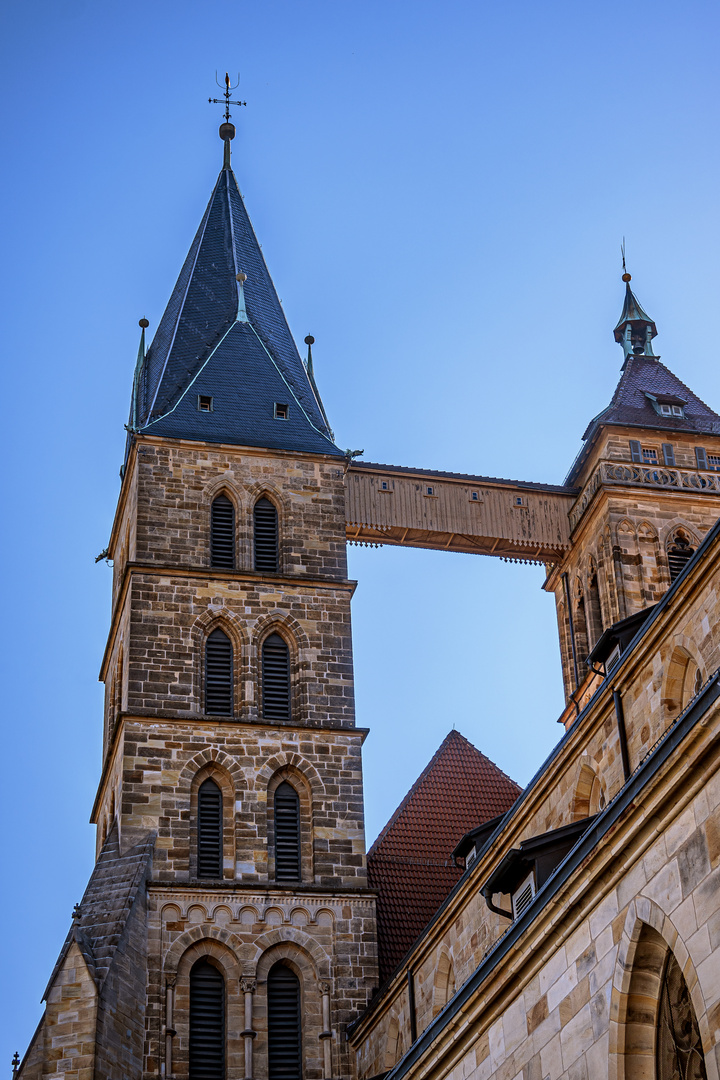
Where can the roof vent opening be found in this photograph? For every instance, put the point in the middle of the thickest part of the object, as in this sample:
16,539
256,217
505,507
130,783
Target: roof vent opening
523,895
204,403
281,411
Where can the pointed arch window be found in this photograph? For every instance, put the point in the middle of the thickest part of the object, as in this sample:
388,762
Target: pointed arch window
207,1022
284,1024
222,533
679,1046
265,536
218,674
287,833
679,553
209,830
276,678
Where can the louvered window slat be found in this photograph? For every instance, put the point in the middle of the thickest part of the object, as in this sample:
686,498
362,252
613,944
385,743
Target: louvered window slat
678,556
209,830
207,1022
284,1024
218,674
276,678
287,833
222,533
265,522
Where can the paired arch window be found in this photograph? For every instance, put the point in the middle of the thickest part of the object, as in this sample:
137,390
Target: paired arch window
222,533
284,1024
207,1022
265,536
275,678
218,674
209,830
287,833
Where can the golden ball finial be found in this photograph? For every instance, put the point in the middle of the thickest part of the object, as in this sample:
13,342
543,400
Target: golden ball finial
309,340
144,324
627,277
241,277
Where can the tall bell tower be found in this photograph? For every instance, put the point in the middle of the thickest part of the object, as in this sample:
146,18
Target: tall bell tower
646,491
227,930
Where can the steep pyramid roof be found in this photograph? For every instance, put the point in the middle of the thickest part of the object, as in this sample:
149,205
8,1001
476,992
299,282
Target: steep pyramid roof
227,339
410,864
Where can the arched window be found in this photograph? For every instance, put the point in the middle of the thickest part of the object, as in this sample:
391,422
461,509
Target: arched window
207,1022
679,553
209,830
287,833
265,536
275,678
679,1054
284,1024
218,674
222,533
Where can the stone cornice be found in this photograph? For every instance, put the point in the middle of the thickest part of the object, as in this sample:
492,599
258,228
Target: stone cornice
207,573
198,720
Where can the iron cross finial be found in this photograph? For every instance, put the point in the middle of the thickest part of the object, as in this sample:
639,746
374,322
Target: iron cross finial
225,99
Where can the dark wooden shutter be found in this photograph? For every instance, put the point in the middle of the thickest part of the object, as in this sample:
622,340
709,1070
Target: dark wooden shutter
207,1022
218,674
276,678
668,454
265,521
222,533
287,833
284,1024
701,457
209,830
635,451
679,553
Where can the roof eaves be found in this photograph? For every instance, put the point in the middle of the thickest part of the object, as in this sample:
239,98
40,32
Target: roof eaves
603,824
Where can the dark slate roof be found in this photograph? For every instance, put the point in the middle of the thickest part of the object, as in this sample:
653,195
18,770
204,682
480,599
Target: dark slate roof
230,342
631,406
106,904
411,864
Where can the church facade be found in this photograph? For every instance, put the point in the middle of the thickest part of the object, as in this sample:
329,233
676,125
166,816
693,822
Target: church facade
234,925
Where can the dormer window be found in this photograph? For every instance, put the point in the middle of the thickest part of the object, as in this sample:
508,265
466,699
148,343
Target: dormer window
281,411
667,405
204,403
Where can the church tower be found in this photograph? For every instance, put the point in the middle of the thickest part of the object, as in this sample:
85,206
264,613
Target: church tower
647,489
227,930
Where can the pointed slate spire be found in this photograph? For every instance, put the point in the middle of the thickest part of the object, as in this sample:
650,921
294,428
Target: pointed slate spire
224,338
635,330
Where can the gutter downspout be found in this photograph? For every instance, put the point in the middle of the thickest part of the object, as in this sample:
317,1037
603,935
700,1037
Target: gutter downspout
622,734
498,910
572,629
411,1005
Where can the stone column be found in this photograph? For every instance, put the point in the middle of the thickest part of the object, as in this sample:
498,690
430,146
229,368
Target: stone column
248,988
169,1027
326,1033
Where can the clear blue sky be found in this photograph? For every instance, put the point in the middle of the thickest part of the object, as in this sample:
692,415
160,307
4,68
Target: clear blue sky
440,188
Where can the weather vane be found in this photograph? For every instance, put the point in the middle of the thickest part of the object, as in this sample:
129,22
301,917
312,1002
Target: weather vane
225,99
625,276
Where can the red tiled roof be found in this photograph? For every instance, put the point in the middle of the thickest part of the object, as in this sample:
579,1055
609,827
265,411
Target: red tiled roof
410,864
